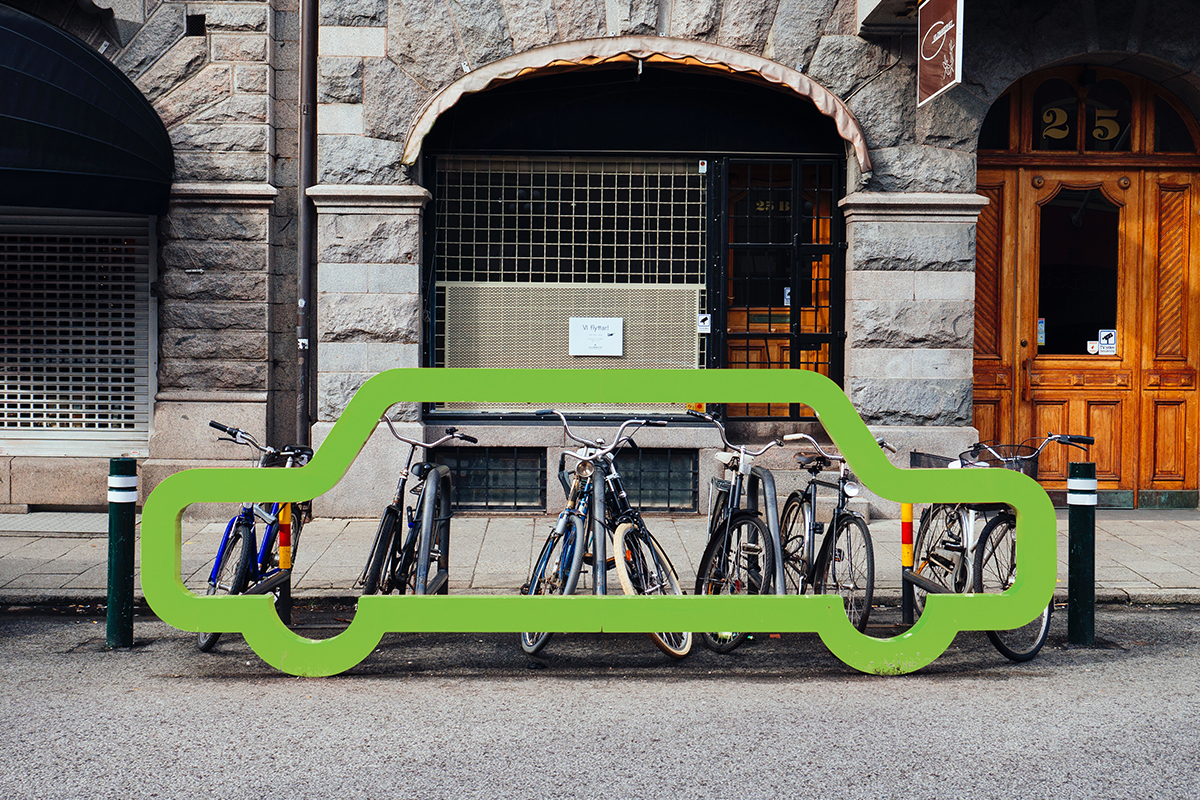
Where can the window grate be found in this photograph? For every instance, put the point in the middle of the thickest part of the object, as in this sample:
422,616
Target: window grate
74,328
661,479
496,478
594,220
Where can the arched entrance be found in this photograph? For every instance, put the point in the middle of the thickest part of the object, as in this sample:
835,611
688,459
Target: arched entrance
85,166
673,186
1087,258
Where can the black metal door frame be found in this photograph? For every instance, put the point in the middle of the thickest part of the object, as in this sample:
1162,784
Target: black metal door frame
803,256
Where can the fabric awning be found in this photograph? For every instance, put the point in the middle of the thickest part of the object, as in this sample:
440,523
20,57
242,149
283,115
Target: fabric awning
74,130
681,53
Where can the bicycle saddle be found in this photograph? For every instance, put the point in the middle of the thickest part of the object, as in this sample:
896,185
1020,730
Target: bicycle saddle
813,463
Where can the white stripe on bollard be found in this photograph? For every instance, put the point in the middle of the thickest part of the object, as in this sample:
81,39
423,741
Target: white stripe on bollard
122,495
1081,484
122,481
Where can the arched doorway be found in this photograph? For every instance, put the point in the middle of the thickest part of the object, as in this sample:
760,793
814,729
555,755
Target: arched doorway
692,196
85,166
1087,260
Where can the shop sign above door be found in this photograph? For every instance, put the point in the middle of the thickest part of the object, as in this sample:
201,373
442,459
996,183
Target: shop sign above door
939,30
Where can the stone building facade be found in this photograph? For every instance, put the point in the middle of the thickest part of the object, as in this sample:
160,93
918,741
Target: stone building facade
416,94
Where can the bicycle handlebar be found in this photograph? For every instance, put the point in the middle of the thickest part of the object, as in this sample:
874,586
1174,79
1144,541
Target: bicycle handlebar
240,437
835,457
618,441
741,448
451,433
1061,438
793,437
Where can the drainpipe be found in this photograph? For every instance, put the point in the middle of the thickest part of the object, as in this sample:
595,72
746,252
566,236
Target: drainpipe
307,227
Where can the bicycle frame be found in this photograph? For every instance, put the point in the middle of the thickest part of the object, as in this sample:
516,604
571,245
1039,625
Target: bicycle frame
433,478
816,560
730,501
264,577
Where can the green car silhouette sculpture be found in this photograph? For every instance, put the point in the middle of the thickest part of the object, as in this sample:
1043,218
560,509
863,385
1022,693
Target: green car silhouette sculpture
255,618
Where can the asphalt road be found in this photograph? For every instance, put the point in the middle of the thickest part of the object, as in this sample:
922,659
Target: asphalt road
472,716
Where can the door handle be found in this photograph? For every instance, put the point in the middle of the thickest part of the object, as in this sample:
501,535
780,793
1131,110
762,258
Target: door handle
1026,388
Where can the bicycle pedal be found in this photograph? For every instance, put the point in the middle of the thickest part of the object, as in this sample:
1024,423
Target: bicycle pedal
941,561
752,549
953,547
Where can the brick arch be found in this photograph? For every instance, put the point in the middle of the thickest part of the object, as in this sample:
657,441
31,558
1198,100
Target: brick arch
683,53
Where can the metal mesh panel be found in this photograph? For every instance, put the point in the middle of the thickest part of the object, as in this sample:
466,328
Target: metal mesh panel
570,220
489,325
507,325
74,328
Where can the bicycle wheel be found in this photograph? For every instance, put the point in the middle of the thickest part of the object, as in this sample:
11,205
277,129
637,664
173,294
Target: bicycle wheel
297,527
738,560
233,574
556,571
938,551
643,568
379,571
995,571
404,574
850,569
440,555
794,525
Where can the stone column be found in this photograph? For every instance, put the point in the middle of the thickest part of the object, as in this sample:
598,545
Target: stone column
368,320
910,322
214,269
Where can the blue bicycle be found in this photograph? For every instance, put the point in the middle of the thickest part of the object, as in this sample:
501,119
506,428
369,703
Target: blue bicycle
242,565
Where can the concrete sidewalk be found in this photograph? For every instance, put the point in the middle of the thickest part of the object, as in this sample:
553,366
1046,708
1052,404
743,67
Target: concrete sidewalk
62,558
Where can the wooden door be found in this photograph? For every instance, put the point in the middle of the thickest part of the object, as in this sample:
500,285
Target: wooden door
1076,324
1061,257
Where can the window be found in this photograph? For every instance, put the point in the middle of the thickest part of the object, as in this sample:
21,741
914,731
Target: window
74,333
496,478
660,479
1088,112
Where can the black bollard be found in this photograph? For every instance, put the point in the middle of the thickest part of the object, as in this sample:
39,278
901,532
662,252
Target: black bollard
122,501
1081,562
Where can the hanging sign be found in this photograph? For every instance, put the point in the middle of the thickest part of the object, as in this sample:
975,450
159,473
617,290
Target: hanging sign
939,31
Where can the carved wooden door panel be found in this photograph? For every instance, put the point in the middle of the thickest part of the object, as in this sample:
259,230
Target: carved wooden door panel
1169,336
995,375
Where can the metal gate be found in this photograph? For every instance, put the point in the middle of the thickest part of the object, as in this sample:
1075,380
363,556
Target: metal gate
75,332
781,293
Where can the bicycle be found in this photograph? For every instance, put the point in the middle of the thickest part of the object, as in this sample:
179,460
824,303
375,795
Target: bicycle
845,561
743,550
241,565
949,556
598,509
407,564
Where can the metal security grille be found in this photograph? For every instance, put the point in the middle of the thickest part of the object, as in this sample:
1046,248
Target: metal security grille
784,282
496,478
523,244
74,332
660,478
570,220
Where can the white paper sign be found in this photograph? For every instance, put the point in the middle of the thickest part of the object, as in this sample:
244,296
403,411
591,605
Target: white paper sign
1108,342
597,336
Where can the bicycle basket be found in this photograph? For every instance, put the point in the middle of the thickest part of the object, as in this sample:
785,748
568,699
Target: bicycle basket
1019,457
918,460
